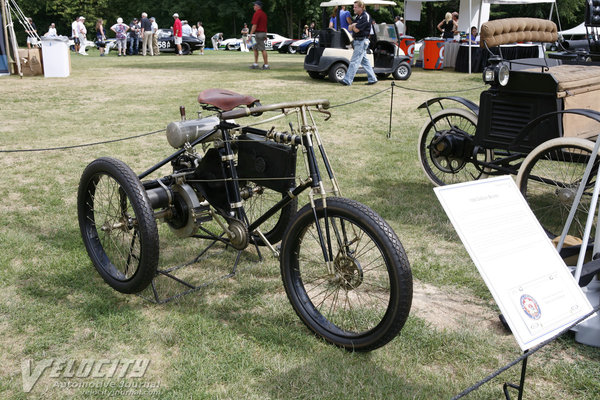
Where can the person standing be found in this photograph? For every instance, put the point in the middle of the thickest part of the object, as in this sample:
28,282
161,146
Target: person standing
134,37
100,36
245,32
154,36
259,29
177,33
345,18
399,25
146,26
447,27
75,33
51,31
186,29
360,31
216,40
201,36
120,29
82,36
31,32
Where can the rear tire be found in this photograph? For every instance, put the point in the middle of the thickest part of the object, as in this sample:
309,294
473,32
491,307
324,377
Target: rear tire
315,75
337,72
117,225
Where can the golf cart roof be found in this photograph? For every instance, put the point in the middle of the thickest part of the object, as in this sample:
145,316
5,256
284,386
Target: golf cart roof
338,3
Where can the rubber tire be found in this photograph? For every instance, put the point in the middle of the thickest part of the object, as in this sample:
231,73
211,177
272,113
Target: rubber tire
315,75
185,49
428,164
403,71
261,204
553,203
335,72
292,50
382,76
147,233
397,271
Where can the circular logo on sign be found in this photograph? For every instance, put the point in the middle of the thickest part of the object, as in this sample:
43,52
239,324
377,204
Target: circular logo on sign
531,307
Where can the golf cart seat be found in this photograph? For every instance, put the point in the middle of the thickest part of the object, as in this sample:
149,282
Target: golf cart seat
335,39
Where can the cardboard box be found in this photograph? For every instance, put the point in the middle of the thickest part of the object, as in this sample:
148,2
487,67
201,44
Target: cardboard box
31,61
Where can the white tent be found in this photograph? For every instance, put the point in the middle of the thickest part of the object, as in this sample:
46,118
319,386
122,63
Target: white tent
578,30
478,10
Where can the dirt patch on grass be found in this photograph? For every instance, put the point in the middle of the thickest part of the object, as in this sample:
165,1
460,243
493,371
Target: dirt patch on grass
453,311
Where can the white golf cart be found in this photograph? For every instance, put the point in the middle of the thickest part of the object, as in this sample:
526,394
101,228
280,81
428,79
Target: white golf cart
331,56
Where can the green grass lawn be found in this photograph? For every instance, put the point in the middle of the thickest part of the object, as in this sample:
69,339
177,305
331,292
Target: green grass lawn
239,338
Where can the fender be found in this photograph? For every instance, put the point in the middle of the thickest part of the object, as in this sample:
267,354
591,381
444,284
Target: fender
595,115
467,103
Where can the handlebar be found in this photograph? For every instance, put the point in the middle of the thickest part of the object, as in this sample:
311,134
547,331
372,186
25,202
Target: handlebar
244,112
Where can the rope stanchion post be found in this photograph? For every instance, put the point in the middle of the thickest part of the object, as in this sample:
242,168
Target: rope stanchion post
389,135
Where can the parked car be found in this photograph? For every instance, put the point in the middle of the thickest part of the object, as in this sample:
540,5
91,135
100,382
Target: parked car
235,43
303,45
165,43
284,46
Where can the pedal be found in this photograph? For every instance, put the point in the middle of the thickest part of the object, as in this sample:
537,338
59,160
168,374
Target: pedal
201,214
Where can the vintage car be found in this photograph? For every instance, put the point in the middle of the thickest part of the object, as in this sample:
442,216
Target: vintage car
235,43
302,46
165,43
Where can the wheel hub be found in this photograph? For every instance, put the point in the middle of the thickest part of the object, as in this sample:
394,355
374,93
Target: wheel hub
349,273
239,235
565,195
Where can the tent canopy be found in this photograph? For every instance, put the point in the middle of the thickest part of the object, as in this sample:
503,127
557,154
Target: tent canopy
578,30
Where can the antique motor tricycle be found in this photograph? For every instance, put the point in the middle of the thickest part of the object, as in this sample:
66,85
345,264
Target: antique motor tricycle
343,267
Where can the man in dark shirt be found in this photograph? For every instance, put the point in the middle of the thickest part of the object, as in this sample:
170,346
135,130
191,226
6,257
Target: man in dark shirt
134,38
360,30
146,34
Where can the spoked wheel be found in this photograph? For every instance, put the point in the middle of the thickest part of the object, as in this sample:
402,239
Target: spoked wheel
260,201
446,151
361,300
549,179
117,225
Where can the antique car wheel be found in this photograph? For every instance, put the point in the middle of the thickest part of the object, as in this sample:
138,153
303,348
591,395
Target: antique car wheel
549,179
403,71
117,225
445,148
362,299
185,49
337,72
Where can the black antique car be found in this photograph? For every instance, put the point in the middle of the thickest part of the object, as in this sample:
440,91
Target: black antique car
537,121
188,46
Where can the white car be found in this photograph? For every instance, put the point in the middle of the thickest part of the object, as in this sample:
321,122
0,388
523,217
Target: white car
235,43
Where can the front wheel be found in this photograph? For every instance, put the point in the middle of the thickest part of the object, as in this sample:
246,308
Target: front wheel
185,49
446,150
337,72
403,71
549,179
117,225
361,298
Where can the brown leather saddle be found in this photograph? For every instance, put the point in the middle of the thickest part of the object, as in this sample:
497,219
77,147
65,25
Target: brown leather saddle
224,99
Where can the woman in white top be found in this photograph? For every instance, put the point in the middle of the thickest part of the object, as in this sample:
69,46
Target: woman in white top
51,31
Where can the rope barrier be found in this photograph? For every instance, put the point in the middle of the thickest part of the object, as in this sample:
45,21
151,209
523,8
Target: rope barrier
163,130
82,145
524,356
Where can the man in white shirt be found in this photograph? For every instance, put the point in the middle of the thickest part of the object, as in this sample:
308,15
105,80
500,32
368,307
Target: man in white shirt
155,36
399,25
186,29
82,36
75,33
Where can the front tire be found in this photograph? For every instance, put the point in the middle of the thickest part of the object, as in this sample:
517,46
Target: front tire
403,71
549,179
443,164
363,301
337,72
185,49
117,225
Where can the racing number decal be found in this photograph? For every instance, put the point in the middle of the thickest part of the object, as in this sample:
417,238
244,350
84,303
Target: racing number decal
164,44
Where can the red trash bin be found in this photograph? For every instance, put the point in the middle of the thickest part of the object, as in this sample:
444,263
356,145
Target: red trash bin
407,44
433,53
